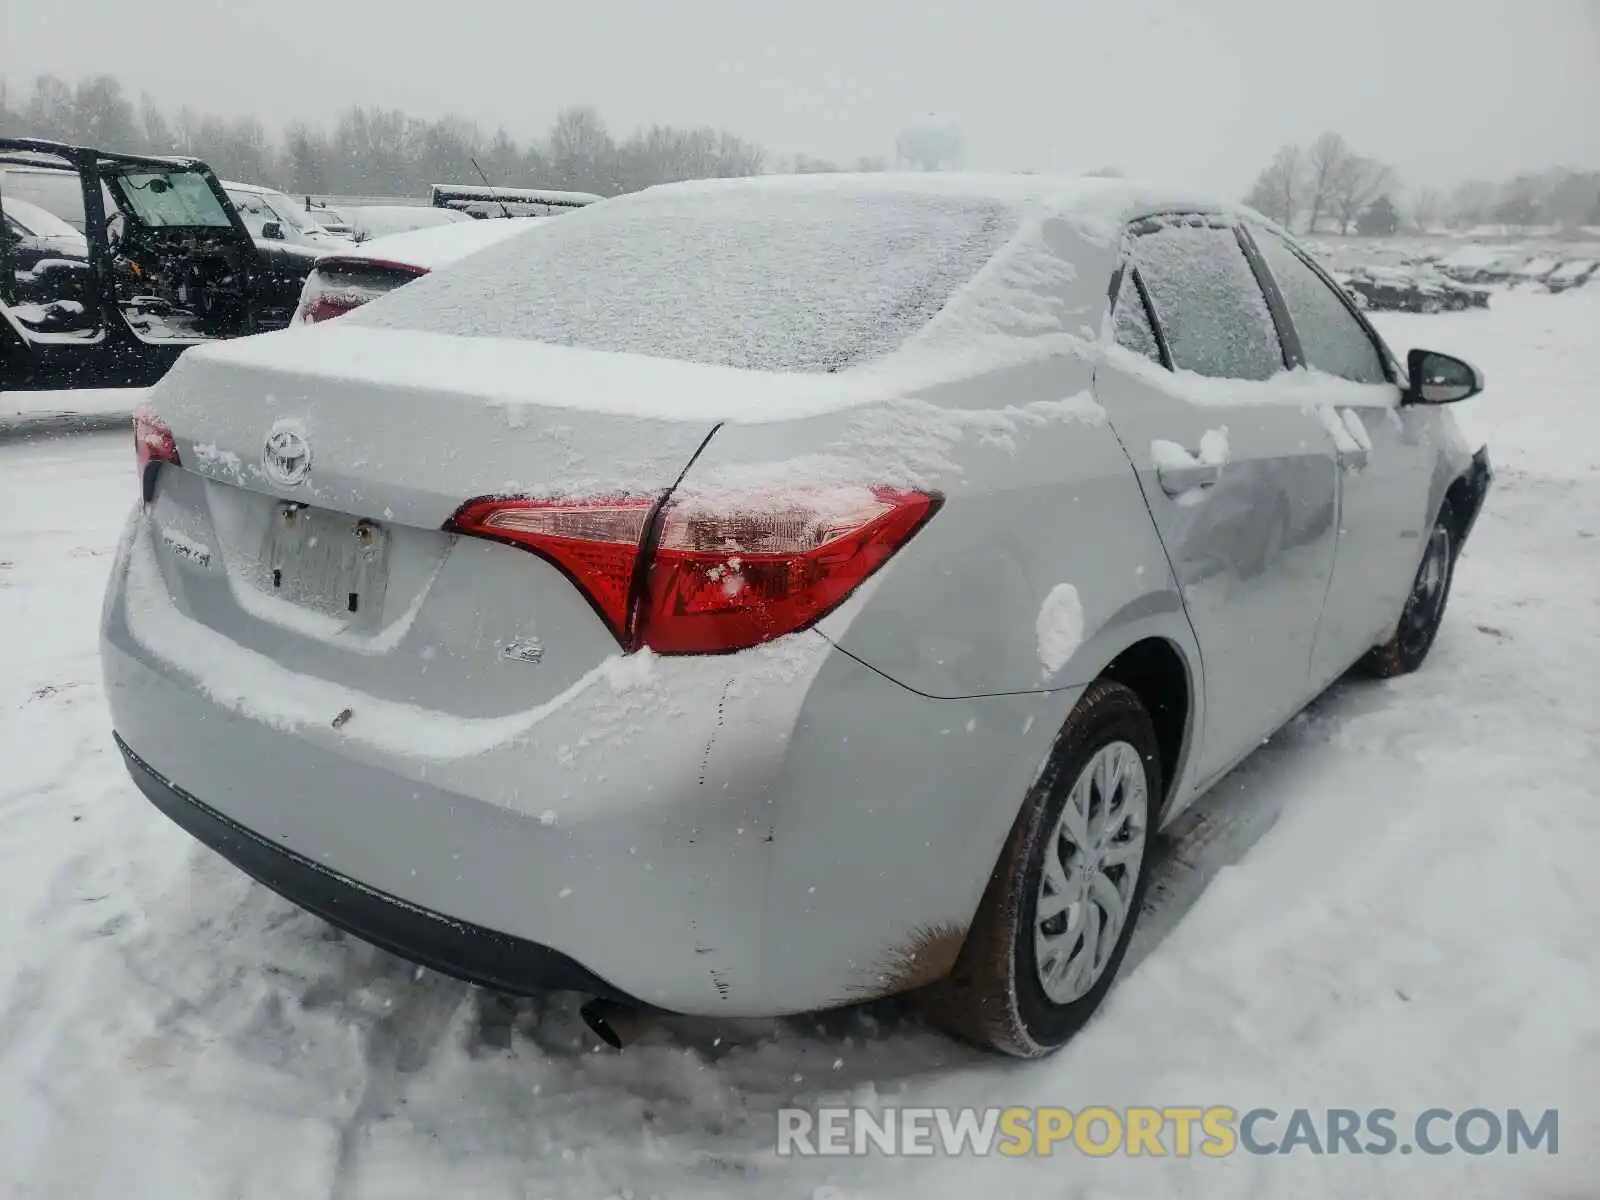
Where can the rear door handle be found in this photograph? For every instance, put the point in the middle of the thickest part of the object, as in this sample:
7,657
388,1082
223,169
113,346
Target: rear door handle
1176,480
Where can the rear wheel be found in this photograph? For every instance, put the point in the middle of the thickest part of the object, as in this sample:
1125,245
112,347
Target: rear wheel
1055,922
1424,610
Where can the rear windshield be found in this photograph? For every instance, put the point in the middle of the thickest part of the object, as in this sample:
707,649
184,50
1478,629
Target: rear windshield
773,281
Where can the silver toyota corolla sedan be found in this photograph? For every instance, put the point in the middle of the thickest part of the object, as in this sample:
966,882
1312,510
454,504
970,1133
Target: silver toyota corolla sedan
758,596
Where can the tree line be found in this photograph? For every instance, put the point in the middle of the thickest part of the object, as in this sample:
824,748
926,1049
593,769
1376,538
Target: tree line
384,152
1325,186
1328,187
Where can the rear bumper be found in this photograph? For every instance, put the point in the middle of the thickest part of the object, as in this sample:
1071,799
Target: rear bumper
747,835
457,948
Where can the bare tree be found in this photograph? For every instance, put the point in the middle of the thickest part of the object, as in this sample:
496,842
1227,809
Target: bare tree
51,110
158,137
306,157
581,152
1277,191
1326,161
103,116
1428,207
1355,184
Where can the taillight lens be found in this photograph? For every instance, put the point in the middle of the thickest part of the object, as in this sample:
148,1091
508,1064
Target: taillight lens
595,542
329,305
723,575
727,576
340,285
153,445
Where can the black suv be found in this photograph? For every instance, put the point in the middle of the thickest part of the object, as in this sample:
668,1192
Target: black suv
164,262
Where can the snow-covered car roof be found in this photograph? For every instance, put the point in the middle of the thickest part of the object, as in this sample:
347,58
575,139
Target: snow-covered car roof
1095,198
439,245
1474,256
383,220
1573,268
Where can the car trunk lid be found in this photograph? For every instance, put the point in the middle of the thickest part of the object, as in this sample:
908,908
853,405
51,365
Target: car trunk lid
307,522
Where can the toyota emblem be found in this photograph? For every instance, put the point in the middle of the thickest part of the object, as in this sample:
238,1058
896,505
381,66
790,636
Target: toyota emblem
287,457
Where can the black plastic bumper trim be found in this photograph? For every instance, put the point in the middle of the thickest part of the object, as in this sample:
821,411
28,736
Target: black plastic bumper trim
445,944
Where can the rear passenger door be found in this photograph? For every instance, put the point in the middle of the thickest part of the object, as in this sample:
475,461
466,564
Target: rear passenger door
1239,476
1385,464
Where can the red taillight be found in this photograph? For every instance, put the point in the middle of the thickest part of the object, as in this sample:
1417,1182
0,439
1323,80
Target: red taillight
723,575
341,285
734,575
329,305
152,445
596,542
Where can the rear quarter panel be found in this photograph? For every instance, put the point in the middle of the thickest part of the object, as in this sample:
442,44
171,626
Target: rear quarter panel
1042,563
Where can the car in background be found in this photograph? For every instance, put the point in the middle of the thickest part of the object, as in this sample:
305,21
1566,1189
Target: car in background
38,242
45,234
42,263
51,187
330,218
1575,273
1535,270
1410,289
272,216
288,244
168,264
834,615
347,279
370,221
1476,263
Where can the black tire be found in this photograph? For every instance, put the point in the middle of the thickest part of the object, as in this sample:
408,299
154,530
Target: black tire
1419,622
993,996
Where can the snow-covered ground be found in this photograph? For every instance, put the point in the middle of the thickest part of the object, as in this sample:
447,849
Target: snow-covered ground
1393,904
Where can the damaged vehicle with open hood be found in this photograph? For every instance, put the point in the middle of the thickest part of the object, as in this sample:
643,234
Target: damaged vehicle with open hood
162,262
751,597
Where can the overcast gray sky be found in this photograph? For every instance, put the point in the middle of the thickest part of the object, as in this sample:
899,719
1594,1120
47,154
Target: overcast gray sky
1198,92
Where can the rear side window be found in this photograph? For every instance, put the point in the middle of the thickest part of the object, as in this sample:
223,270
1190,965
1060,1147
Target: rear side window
1332,338
1131,322
1205,295
756,278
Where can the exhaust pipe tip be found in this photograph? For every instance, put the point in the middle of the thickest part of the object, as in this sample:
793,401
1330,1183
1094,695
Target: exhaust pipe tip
617,1025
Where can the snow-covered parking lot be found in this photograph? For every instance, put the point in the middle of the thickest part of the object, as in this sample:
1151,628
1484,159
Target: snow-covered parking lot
1394,904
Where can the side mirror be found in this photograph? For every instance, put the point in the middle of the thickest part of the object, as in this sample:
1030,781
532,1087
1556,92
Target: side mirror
1440,378
272,231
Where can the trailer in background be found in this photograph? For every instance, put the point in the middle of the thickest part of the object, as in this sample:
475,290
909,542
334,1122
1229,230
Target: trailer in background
480,201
